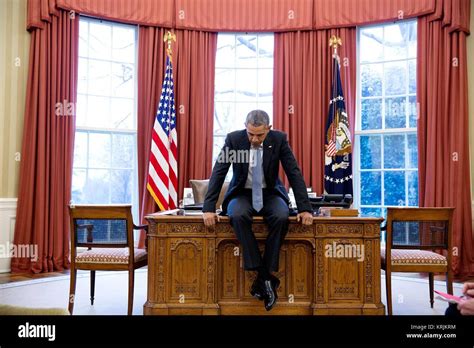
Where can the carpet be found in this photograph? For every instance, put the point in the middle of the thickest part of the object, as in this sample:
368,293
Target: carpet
410,296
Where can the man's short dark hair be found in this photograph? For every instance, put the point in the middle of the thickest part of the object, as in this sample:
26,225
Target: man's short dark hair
257,118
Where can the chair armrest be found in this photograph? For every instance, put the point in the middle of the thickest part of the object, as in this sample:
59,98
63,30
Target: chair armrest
140,227
145,228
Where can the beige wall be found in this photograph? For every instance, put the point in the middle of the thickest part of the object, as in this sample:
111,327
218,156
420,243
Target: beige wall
14,43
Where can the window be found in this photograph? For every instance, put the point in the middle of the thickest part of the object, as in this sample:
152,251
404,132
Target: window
105,168
386,159
244,82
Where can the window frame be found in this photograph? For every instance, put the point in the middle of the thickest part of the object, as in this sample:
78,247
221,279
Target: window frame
380,132
113,131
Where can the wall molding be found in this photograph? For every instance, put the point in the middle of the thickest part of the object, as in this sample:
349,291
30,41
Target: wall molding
7,228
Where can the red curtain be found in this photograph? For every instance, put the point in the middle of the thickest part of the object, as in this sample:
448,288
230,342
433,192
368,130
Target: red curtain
241,15
193,69
151,65
42,219
244,15
349,13
444,174
301,90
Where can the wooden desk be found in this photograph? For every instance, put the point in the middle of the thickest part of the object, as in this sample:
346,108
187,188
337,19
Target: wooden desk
197,270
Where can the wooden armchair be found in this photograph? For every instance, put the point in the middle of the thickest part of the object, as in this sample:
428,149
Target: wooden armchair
412,236
107,233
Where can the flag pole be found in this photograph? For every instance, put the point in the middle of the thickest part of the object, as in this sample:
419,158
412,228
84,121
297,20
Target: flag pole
335,42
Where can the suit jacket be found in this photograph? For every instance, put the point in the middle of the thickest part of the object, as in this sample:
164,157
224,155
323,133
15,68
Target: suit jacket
275,150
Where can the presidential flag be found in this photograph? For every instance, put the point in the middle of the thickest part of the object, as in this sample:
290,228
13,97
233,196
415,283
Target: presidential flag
163,167
338,144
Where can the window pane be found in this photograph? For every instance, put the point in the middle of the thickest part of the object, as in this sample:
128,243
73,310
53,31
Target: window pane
370,152
395,78
83,39
222,120
105,147
413,111
371,188
122,114
100,38
78,184
413,188
81,110
246,85
246,51
99,78
123,84
395,112
394,151
412,151
371,114
394,188
265,51
224,85
412,76
82,76
121,186
99,150
371,80
123,146
374,212
123,44
411,38
225,56
80,150
371,40
395,41
97,186
98,112
265,85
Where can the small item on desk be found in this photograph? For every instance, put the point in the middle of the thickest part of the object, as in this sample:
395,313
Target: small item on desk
338,211
167,212
344,212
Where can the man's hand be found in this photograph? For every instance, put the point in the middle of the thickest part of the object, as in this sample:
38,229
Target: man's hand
305,217
466,307
468,289
210,219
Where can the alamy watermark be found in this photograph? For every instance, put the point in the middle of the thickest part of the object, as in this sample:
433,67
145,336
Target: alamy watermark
237,156
345,251
28,251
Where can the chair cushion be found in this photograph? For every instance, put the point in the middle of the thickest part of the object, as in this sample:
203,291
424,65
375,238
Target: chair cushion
408,257
110,255
200,189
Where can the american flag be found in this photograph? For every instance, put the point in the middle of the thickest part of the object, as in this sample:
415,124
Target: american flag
338,144
163,167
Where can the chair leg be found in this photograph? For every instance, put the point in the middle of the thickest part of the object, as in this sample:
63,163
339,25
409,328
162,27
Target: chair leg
388,290
92,287
131,278
72,289
449,281
431,276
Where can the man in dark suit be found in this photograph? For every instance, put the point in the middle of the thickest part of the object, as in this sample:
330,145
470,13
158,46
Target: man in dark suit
255,189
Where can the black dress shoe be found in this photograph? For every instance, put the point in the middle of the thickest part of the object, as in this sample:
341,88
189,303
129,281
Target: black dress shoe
257,290
270,295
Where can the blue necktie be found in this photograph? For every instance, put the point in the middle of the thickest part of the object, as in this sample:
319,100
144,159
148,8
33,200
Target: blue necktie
257,195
